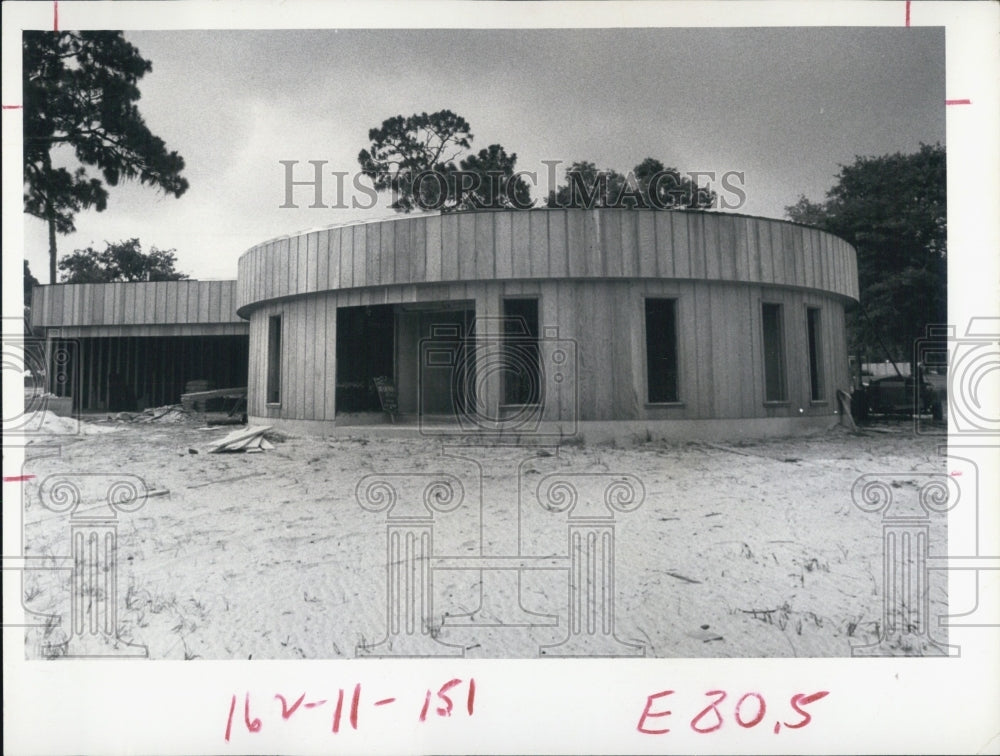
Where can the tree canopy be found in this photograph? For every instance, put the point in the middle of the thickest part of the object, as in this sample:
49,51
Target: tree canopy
119,261
424,161
893,210
492,183
29,282
80,90
649,185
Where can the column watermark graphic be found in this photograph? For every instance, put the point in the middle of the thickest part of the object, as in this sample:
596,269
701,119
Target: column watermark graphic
906,503
585,560
92,505
591,553
410,503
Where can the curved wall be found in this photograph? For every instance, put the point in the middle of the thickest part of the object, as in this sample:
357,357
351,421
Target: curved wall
591,272
605,243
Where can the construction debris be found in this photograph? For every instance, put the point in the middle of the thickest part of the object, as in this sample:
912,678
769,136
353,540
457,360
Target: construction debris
681,577
704,634
221,418
844,403
224,480
221,399
201,384
171,413
731,450
245,439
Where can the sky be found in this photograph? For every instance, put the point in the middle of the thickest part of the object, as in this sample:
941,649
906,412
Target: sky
786,107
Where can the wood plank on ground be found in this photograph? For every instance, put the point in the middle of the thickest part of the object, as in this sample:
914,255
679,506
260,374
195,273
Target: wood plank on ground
233,440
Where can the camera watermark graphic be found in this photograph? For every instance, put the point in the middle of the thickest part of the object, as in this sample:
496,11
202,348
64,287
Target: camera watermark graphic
91,505
46,369
583,507
966,369
502,377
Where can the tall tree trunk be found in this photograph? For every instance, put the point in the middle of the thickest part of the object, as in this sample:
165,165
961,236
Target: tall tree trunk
50,216
52,250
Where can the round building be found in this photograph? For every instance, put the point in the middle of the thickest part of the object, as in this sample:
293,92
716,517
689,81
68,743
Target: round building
551,323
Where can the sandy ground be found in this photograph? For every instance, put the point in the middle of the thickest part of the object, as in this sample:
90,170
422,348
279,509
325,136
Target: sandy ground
751,550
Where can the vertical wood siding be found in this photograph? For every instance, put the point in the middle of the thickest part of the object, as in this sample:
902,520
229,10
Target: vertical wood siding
606,243
719,343
132,304
591,271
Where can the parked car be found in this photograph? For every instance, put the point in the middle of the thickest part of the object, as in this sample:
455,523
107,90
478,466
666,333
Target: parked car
895,395
939,380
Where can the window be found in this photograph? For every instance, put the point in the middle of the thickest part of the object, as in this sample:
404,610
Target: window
521,368
815,355
365,350
774,353
274,359
661,350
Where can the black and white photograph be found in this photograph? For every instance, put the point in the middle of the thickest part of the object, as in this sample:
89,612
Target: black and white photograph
471,366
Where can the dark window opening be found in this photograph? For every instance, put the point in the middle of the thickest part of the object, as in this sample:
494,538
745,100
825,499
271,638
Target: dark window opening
521,368
815,355
274,359
774,354
661,350
365,348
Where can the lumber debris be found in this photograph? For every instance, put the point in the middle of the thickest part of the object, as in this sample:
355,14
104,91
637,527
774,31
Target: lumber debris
685,578
197,401
171,413
224,480
741,452
244,439
844,403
